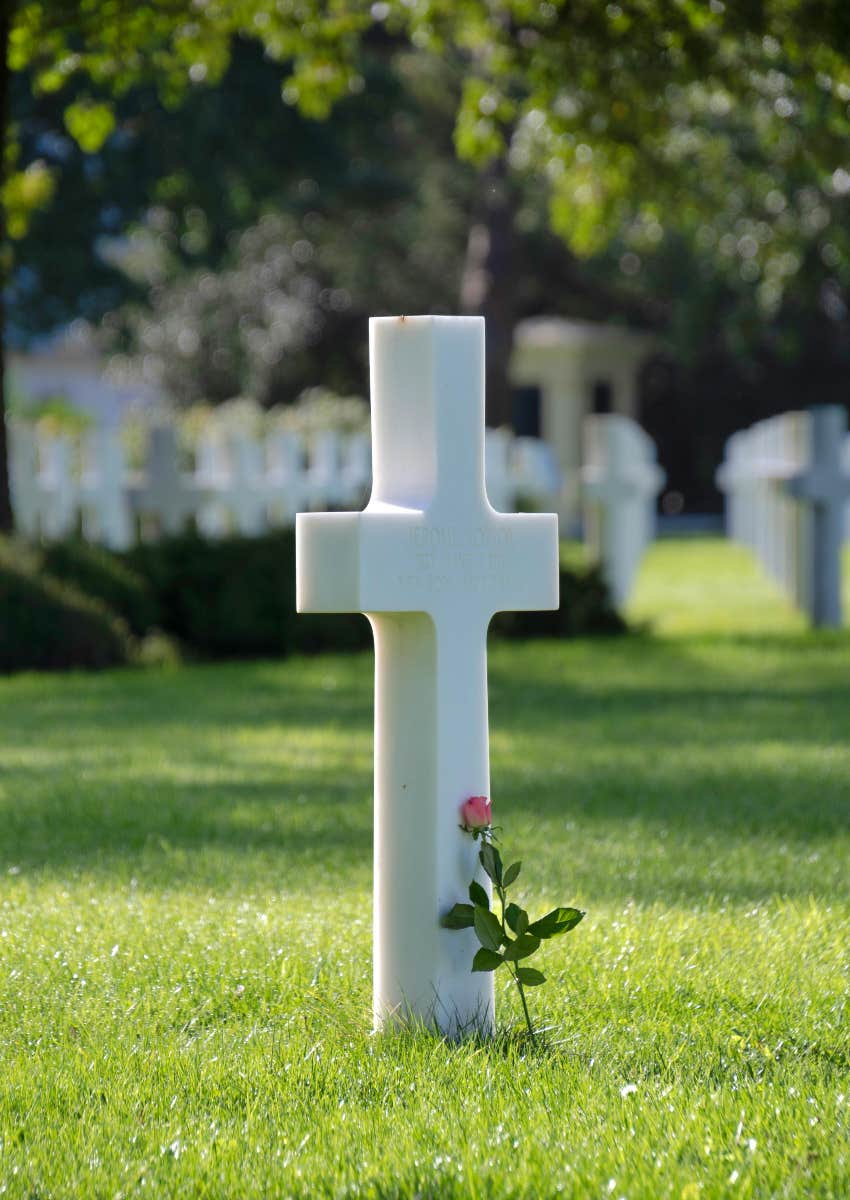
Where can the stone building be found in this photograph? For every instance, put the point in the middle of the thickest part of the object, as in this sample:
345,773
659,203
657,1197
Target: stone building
563,370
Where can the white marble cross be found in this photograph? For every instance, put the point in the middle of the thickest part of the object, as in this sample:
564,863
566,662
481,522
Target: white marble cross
106,507
620,482
164,496
826,487
429,562
24,484
59,486
247,484
211,482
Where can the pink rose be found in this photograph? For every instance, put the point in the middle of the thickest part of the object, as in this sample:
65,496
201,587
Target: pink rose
475,814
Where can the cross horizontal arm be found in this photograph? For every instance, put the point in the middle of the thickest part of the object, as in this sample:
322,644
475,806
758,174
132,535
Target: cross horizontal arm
398,561
327,563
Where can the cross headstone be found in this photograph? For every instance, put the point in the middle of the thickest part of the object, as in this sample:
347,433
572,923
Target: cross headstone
163,500
59,487
247,484
26,492
212,481
620,481
106,506
826,487
429,562
734,477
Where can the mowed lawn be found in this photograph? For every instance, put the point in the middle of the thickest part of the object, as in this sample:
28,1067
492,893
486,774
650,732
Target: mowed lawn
185,923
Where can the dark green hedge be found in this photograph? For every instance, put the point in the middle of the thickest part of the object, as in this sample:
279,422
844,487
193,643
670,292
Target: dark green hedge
585,610
235,597
229,598
46,624
103,575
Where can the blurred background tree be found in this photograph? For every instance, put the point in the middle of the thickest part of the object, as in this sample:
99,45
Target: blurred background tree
680,164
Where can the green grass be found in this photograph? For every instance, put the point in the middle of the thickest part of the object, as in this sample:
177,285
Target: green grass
707,585
185,877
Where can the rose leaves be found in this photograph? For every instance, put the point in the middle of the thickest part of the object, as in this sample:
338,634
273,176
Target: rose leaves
498,946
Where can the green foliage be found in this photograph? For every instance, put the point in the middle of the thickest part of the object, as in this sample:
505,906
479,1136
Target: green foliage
487,928
522,947
24,192
98,573
332,240
656,126
665,138
584,609
511,874
55,414
497,948
119,47
491,861
530,977
227,598
235,597
461,916
486,960
89,124
380,229
46,624
66,44
560,920
516,918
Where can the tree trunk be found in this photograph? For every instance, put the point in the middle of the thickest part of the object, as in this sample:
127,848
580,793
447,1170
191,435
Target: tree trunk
6,520
488,284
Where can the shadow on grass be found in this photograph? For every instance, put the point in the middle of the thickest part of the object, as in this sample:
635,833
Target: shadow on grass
263,771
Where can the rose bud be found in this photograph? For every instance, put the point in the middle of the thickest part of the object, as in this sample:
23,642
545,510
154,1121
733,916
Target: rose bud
475,814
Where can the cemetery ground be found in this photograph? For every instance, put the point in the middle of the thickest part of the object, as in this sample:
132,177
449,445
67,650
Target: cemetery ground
185,923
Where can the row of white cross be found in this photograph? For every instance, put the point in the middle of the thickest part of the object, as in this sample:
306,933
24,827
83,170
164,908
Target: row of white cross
244,484
239,483
786,481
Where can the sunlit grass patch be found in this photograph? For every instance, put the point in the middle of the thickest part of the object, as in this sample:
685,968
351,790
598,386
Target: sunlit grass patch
709,585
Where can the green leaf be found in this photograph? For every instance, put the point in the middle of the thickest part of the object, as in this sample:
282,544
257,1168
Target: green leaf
530,977
478,895
459,917
486,960
487,928
511,874
517,918
522,947
559,920
89,124
491,861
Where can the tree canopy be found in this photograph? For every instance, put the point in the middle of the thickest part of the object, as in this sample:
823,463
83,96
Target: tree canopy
644,113
671,142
